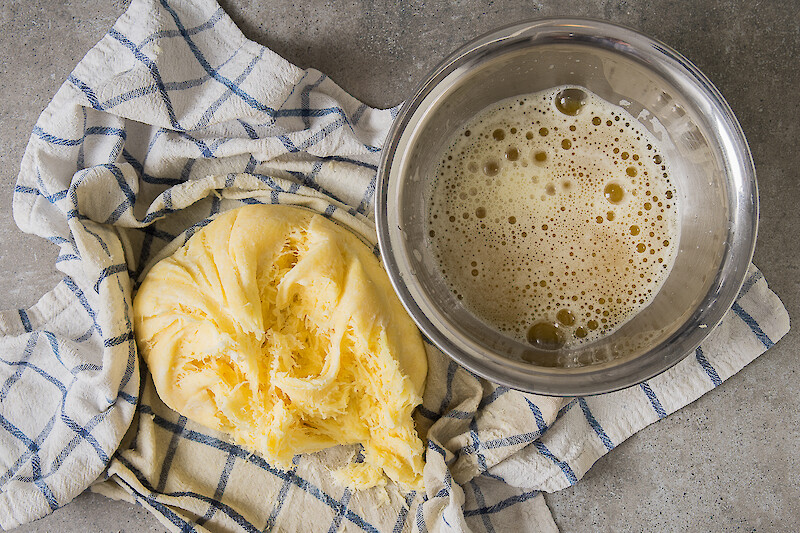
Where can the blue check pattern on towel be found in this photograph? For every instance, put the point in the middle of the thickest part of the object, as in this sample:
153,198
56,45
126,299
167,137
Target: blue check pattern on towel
172,118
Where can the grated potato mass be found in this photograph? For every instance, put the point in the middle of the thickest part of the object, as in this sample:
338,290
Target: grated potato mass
280,328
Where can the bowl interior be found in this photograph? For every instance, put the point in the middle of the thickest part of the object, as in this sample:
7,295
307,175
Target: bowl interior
712,173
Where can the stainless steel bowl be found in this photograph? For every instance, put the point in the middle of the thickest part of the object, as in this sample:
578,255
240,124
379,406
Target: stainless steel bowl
714,177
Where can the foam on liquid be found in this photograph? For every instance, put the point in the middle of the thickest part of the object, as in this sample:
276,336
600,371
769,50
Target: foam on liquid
553,218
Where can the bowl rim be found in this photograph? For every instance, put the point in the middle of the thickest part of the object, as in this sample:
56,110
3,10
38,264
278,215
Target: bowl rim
558,378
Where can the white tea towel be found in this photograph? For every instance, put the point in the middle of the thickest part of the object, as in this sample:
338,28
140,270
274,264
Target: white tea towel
172,118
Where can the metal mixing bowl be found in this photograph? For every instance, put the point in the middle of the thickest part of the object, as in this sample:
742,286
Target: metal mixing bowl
712,171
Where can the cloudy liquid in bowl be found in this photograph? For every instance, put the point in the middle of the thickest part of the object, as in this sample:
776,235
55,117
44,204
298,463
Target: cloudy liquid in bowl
553,218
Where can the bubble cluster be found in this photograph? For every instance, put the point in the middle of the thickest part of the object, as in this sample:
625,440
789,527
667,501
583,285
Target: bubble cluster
553,217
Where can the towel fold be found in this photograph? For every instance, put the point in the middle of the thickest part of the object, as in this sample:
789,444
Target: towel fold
173,117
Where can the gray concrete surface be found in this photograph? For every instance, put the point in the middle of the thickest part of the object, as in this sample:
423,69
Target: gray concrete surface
728,462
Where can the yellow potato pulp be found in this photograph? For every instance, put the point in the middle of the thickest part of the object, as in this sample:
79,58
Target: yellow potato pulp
279,327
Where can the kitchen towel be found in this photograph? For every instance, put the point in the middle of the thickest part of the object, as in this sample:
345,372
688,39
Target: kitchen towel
173,117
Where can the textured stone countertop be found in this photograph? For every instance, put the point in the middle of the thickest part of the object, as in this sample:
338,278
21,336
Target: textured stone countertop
727,462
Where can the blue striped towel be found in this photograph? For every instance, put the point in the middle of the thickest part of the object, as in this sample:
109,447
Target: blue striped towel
172,118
